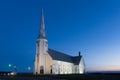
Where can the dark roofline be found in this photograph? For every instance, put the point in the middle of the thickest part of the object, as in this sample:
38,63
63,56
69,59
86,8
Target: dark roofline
61,52
56,55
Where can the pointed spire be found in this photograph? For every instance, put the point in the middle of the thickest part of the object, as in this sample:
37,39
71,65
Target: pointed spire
42,27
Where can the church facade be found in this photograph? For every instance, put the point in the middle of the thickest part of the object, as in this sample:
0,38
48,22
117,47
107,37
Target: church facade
49,61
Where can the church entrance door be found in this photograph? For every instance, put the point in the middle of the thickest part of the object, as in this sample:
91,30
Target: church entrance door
41,70
51,69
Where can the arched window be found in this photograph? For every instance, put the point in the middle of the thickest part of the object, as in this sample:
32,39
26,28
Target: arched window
41,70
76,69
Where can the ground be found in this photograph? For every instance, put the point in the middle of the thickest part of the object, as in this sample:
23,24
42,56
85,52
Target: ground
63,77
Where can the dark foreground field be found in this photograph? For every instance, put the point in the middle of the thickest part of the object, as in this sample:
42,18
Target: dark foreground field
63,77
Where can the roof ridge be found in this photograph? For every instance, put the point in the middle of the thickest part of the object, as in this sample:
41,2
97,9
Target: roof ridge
60,52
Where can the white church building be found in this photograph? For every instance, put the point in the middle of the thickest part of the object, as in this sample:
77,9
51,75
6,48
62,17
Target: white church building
49,61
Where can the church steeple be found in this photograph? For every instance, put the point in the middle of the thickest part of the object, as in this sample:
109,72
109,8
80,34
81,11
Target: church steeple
40,63
42,27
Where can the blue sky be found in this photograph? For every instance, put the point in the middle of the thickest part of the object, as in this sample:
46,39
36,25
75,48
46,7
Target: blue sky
89,26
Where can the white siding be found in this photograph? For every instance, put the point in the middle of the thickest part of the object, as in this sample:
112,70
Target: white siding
81,66
61,67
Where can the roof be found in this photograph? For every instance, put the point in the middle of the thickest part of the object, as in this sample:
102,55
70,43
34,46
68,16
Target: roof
76,59
56,55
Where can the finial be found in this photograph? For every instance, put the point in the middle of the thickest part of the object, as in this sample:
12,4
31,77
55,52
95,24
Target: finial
79,53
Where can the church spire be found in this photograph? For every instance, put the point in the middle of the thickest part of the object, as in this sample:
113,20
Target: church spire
42,27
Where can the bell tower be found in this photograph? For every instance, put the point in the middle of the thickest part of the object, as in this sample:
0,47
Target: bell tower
41,49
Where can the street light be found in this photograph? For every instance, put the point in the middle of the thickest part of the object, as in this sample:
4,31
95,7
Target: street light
29,68
9,65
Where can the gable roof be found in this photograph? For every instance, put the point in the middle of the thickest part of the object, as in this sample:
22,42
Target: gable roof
56,55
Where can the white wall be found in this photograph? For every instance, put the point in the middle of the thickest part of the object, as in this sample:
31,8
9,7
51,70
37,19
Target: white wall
81,66
61,67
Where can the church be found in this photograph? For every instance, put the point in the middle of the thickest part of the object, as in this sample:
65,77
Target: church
49,61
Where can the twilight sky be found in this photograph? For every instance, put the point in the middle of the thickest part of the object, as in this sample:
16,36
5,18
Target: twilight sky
89,26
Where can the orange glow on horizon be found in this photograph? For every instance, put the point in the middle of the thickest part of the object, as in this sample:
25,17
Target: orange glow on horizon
104,68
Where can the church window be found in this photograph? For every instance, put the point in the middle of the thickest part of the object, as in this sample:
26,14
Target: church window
37,54
38,44
61,68
56,70
75,69
46,43
65,68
